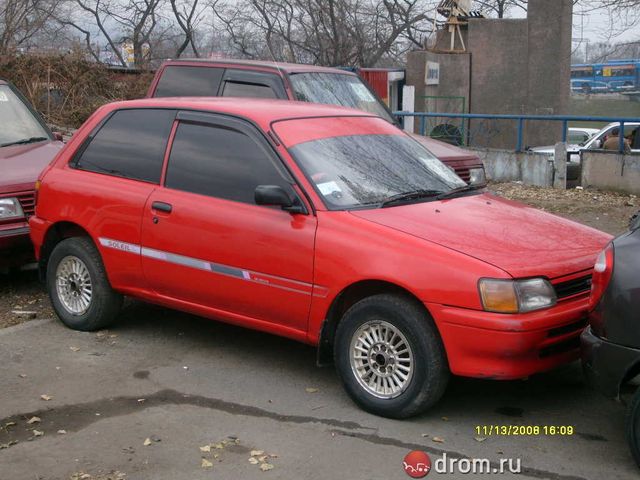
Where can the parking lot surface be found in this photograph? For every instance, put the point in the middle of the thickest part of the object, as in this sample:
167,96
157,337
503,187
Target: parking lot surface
164,395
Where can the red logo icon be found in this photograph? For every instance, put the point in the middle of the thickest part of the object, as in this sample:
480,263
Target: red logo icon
417,464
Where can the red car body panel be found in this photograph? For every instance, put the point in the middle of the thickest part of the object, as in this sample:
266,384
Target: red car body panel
277,272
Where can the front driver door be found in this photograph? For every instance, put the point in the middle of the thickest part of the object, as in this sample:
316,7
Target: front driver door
206,242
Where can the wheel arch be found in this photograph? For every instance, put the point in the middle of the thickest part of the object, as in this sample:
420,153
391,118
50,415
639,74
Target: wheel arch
56,233
348,297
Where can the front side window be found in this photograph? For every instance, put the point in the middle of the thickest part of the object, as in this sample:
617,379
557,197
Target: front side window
365,170
130,144
337,89
219,162
183,81
18,123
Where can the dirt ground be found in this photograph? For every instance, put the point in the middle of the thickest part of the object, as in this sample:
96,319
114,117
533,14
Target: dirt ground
610,212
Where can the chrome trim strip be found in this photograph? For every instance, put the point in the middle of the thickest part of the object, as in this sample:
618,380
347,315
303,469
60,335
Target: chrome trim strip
217,268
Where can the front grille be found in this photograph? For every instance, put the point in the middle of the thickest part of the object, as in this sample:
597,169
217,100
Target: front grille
576,327
463,173
27,201
561,347
573,287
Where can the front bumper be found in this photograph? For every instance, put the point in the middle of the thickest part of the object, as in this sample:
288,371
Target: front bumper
15,245
606,365
507,347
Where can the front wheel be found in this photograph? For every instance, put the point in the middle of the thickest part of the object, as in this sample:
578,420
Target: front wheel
390,357
633,426
78,286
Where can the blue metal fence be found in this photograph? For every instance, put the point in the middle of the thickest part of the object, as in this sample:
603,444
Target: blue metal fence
422,116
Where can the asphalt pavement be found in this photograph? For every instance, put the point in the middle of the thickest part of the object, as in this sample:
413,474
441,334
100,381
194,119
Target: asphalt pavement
165,395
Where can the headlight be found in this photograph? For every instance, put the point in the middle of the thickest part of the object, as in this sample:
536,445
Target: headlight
516,296
477,176
10,208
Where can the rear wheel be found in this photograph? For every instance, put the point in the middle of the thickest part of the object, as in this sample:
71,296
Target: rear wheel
390,357
78,286
633,426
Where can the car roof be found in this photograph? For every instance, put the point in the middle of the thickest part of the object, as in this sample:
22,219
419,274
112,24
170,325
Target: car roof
285,67
260,111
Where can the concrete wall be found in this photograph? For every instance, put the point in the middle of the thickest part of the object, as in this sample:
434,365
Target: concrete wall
611,171
549,67
499,50
508,166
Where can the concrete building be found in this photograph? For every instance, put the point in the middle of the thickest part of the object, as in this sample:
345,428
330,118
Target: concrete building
509,66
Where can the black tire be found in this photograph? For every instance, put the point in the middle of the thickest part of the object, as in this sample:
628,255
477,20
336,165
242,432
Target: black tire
633,426
430,368
104,303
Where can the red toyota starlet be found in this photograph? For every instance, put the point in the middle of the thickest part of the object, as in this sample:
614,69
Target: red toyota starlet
323,224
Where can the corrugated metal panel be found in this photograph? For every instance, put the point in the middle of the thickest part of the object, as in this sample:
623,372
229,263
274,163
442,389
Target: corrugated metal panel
378,80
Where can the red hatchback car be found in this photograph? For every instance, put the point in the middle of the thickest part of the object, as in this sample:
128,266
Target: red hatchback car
319,223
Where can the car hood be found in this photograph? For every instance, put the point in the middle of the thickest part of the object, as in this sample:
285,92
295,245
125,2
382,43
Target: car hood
522,241
445,151
21,164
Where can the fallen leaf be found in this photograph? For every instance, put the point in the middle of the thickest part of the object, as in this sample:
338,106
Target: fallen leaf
74,349
253,461
46,398
206,448
438,439
22,375
479,439
273,455
265,467
206,463
425,435
33,420
37,433
219,446
312,390
11,424
256,453
263,458
140,400
147,442
62,432
446,419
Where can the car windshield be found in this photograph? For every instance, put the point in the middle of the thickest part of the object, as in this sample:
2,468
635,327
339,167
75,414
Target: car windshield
373,170
337,89
18,123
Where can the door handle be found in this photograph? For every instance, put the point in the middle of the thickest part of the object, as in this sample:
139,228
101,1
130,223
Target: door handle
162,207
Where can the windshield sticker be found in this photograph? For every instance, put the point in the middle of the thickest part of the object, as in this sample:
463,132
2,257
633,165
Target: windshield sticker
3,97
361,91
328,188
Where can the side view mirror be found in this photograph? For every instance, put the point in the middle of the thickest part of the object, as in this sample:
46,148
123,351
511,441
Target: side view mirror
274,195
597,144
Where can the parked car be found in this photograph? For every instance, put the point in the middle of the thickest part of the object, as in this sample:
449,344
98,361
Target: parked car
580,135
26,147
323,224
631,130
622,86
611,343
308,83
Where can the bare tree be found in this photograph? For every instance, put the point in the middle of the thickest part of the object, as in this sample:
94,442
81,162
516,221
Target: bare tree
21,20
188,15
325,32
500,8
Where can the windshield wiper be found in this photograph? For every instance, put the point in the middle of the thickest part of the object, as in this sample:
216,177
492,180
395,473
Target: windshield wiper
457,191
408,196
24,141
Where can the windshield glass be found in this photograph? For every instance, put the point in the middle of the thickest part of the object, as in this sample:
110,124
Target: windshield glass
337,89
18,123
367,170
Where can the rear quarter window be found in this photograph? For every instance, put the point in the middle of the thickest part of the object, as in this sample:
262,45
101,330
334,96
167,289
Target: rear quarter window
179,81
130,144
